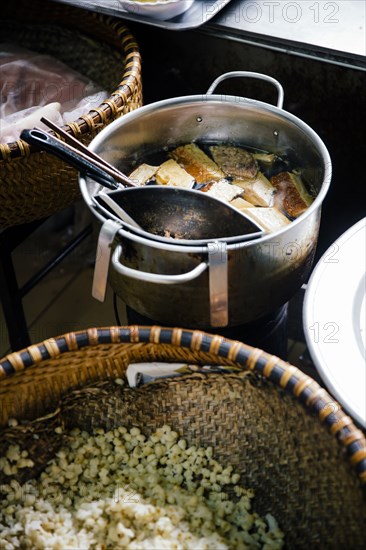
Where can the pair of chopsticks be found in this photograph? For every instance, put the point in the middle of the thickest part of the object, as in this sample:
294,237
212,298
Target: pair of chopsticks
80,149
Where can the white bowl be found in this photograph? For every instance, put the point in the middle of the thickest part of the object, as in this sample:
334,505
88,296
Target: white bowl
158,9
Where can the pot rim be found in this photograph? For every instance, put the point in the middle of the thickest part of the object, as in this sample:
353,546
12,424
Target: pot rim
127,231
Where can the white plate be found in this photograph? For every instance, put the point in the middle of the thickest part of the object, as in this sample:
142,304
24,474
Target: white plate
157,9
335,320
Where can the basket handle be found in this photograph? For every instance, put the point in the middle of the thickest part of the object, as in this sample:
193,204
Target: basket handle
248,74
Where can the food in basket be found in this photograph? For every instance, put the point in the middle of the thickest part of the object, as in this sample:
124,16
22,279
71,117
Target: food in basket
262,183
121,489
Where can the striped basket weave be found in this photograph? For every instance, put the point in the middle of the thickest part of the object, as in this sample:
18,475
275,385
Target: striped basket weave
289,440
34,185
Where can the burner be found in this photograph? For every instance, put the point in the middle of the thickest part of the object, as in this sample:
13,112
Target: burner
268,333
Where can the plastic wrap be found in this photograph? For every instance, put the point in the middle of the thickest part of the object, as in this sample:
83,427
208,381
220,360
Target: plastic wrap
34,85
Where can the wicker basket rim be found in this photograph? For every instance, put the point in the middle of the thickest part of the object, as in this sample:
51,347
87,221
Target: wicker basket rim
240,355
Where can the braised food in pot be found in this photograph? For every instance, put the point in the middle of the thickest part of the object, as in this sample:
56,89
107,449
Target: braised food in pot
264,184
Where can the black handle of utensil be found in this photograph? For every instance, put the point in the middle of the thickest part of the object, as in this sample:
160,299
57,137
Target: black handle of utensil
46,142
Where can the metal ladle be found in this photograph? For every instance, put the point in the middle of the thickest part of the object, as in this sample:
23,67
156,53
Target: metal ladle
118,210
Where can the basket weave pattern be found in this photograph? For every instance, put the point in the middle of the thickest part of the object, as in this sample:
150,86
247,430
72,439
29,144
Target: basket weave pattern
262,417
34,185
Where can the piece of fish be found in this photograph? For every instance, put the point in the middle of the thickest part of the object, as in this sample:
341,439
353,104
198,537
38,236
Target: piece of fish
241,203
143,173
267,159
236,162
222,190
258,191
291,195
269,218
197,163
170,173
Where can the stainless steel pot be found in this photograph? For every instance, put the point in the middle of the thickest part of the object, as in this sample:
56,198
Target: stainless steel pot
219,283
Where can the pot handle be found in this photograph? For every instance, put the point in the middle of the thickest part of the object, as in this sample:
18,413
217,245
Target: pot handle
155,277
248,74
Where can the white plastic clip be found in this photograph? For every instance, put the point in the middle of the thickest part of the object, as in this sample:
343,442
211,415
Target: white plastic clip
102,259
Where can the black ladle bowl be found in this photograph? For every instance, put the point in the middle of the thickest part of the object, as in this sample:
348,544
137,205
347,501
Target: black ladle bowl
183,214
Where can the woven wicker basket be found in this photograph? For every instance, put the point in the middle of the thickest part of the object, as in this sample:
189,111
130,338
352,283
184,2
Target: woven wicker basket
264,417
35,185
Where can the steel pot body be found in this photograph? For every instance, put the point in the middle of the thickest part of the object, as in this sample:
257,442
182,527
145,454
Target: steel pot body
173,283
